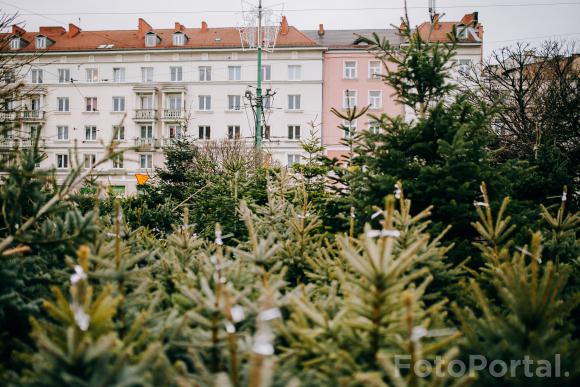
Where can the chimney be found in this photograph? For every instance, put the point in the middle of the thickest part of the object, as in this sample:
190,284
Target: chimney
179,26
51,30
18,30
284,26
73,30
320,29
204,27
144,27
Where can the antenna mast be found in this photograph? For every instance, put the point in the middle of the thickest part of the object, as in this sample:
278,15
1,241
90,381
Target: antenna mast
432,9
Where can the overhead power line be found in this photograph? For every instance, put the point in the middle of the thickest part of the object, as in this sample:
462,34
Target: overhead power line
298,10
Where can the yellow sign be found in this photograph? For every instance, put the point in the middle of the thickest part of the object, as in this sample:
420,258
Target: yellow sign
141,179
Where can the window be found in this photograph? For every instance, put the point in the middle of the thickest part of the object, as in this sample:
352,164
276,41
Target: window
146,101
375,99
33,131
14,43
118,190
204,73
234,102
91,104
35,103
175,131
374,127
92,75
62,161
41,42
150,39
146,74
9,76
350,69
63,104
90,133
349,128
266,72
204,102
464,66
118,132
267,102
146,131
293,159
294,132
118,104
63,75
62,133
176,73
118,161
174,102
294,102
146,161
233,132
294,72
234,73
119,74
204,132
266,132
178,39
374,69
36,75
89,160
349,100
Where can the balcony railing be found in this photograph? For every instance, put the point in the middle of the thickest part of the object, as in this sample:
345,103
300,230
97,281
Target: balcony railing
173,114
169,141
145,142
10,143
8,115
32,114
145,114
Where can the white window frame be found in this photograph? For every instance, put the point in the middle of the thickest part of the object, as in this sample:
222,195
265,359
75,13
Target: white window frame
145,161
118,104
63,104
294,132
62,133
62,161
204,73
266,72
294,102
14,43
294,72
118,161
146,132
204,103
348,71
463,66
118,132
349,99
374,127
176,73
174,102
147,74
63,75
91,104
178,39
234,102
90,133
379,99
150,39
36,76
149,98
375,74
92,74
234,73
89,160
175,131
41,42
350,130
204,131
118,74
293,158
234,132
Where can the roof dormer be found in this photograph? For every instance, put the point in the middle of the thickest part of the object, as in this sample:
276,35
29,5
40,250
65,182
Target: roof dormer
16,43
42,42
151,39
179,38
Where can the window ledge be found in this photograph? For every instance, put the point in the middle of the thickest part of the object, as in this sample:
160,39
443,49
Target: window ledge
294,111
118,112
204,111
91,112
233,111
350,79
62,112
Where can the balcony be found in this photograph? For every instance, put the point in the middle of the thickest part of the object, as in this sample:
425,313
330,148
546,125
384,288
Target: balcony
32,115
145,143
169,141
8,115
173,114
145,114
13,143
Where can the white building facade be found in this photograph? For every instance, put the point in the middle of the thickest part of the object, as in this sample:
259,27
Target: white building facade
180,83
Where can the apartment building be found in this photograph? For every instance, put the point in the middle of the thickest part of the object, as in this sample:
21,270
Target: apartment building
352,75
144,88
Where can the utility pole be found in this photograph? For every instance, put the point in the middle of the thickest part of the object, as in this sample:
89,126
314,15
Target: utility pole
259,83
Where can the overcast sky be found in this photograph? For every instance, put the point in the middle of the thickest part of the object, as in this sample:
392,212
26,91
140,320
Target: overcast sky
505,21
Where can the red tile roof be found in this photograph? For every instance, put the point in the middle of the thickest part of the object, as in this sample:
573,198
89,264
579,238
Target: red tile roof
441,30
78,40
